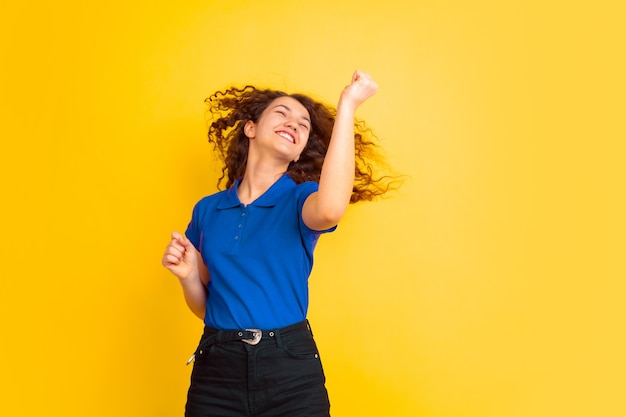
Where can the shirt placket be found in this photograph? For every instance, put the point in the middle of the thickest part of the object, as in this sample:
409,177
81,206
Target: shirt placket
241,223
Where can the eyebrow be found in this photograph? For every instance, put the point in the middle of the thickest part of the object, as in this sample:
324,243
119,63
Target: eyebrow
282,105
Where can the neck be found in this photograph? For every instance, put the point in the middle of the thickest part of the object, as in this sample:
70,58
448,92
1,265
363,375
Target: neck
257,179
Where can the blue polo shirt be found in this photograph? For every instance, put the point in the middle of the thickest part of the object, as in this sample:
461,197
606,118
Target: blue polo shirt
259,256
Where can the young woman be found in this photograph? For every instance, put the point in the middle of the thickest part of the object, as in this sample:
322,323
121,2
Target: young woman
292,165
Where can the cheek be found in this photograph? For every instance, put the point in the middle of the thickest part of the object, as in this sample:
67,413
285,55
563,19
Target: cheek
305,138
304,142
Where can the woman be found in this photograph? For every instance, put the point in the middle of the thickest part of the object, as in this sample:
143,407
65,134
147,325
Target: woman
248,251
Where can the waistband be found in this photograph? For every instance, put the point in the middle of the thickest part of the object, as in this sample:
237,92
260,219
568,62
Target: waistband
253,337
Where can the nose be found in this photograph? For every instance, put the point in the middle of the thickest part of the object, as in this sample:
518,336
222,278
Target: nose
293,124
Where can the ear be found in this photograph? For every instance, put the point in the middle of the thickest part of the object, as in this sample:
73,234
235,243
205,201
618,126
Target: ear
249,129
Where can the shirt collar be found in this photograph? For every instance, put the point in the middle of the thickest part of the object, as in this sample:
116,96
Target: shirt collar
269,198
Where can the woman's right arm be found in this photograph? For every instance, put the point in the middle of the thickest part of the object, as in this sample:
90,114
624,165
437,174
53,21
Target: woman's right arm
183,260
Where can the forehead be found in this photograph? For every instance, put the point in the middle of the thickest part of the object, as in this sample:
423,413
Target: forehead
290,104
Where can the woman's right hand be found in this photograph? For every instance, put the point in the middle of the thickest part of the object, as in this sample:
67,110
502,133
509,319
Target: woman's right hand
180,257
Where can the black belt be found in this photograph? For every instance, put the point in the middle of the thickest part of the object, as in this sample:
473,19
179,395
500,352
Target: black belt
249,336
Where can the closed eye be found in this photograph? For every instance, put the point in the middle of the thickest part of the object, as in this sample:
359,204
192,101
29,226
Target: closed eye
282,110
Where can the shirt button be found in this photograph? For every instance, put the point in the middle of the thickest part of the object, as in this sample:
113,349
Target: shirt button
243,214
239,226
236,237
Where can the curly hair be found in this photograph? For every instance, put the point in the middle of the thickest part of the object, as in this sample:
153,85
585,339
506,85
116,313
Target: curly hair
231,109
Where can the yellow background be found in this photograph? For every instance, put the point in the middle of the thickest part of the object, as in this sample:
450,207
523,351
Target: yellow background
490,285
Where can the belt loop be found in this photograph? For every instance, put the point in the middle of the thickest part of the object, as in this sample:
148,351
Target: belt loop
279,341
308,326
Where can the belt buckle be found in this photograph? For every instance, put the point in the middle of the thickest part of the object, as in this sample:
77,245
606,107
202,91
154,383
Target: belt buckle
257,334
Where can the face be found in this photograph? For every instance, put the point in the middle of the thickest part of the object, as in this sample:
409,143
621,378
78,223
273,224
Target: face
282,130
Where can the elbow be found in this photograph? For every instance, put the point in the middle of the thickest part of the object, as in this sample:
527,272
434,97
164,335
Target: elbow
199,314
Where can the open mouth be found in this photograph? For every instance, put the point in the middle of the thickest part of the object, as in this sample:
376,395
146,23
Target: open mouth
287,136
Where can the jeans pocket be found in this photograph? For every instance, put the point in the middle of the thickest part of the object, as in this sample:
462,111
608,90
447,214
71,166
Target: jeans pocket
301,348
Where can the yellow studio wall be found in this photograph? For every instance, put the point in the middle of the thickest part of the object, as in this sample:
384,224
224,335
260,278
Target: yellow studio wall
490,285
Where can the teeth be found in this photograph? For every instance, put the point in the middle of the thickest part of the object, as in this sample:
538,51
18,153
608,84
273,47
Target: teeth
286,136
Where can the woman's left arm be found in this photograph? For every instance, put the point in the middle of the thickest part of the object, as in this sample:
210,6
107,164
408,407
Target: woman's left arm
324,208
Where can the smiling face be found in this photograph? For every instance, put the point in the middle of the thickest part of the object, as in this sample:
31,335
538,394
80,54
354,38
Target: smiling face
282,130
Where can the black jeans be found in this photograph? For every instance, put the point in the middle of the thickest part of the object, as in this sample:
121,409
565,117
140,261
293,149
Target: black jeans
281,376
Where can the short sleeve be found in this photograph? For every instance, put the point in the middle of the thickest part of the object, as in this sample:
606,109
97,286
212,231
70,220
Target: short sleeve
193,231
304,191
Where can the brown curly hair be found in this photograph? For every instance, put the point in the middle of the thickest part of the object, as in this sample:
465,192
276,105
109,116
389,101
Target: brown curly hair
231,109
